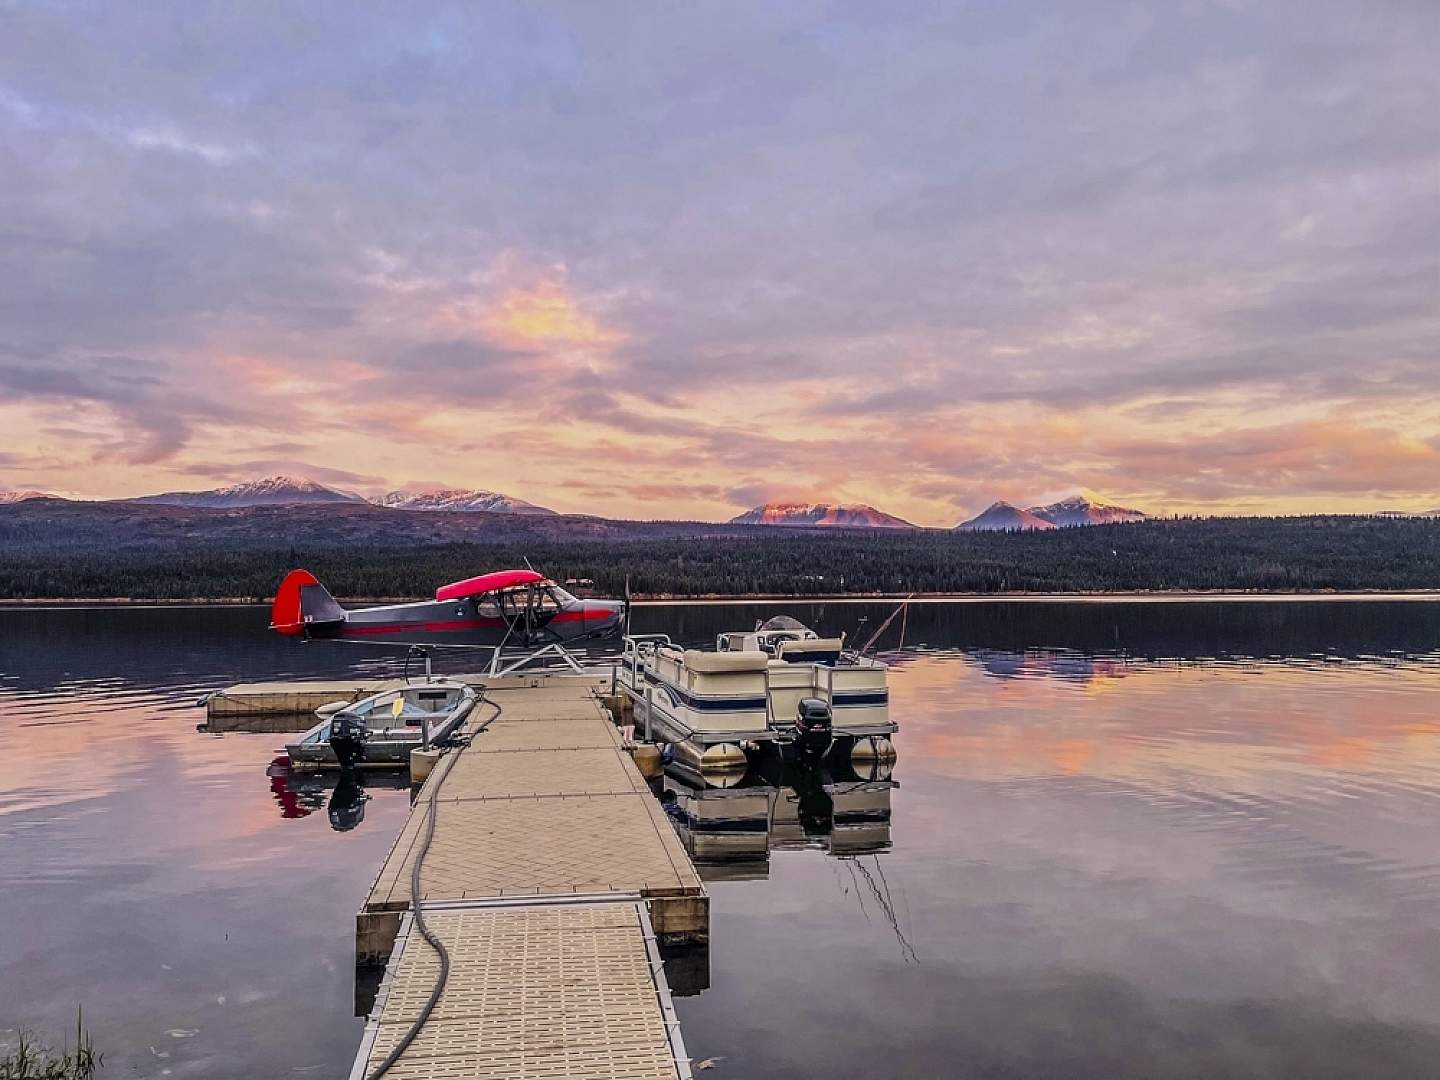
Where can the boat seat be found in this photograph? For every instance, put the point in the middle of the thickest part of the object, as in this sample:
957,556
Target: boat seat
711,662
826,646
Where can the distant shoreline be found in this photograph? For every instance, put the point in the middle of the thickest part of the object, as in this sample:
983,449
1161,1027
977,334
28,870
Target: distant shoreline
1138,596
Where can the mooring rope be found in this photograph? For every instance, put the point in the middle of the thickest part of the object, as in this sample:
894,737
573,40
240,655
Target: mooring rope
431,806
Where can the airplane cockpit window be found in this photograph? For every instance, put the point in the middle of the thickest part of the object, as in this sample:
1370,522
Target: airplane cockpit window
514,601
527,600
560,594
486,608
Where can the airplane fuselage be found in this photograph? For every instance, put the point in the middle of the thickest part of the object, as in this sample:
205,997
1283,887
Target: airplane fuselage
476,621
508,608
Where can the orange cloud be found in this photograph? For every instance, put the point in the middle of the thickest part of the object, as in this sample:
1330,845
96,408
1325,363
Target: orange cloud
258,372
524,307
545,315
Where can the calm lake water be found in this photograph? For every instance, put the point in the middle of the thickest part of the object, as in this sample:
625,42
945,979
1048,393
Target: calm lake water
1128,840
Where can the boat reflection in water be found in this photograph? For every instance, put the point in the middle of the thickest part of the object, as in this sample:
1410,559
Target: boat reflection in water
342,796
731,821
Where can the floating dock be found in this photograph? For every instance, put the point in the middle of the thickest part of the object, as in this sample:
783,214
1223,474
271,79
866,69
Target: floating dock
229,709
570,989
552,876
282,706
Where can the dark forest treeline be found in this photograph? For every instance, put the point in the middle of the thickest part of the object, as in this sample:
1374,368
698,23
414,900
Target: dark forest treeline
1284,554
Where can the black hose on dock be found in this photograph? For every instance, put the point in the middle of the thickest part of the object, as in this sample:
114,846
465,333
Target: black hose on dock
431,806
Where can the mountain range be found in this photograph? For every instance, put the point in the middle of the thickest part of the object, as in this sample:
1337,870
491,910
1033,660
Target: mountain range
1084,508
460,500
822,515
271,491
299,491
57,548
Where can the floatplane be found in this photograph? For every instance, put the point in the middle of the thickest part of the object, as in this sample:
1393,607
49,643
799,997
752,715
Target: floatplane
505,611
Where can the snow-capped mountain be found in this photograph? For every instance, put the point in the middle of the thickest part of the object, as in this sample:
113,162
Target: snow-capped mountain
21,496
1085,508
271,491
1002,517
835,515
461,500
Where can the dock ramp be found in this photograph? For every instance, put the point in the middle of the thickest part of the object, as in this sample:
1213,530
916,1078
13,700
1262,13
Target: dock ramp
551,876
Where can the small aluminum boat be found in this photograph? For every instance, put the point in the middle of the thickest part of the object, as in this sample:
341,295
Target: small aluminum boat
393,722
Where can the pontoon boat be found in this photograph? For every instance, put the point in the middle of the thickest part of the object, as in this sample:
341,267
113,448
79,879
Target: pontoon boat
778,687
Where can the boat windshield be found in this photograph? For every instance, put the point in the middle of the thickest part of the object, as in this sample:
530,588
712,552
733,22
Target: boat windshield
782,622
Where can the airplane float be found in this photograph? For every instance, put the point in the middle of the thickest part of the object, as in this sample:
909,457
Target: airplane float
508,609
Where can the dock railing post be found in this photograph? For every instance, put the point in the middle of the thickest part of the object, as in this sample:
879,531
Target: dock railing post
425,732
649,708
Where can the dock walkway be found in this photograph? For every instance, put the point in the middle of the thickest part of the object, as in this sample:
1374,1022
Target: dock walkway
551,874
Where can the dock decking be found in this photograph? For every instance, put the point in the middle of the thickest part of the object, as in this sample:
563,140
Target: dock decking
536,990
551,874
290,704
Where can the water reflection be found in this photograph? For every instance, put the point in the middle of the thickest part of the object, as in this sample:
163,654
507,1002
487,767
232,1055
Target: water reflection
1271,628
292,800
1048,663
347,802
53,651
178,653
300,793
733,824
730,824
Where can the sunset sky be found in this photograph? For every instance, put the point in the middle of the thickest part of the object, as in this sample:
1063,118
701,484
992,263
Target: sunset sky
672,260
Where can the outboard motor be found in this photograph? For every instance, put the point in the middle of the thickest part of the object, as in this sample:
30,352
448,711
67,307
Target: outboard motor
347,738
813,720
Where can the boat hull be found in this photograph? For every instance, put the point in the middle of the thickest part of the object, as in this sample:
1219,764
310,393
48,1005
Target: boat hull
386,747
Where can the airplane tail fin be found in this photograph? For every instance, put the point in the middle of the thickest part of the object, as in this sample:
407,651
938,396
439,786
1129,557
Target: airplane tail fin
301,602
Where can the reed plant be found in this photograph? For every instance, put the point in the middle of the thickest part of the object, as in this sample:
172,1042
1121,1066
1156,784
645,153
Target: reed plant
30,1059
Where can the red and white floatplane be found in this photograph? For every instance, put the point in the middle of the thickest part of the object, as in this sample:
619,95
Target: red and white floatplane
503,611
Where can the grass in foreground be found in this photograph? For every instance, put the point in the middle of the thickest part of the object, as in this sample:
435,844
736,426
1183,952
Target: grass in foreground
30,1059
